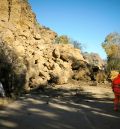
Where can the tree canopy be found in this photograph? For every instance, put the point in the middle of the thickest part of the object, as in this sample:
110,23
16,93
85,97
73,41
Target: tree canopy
111,46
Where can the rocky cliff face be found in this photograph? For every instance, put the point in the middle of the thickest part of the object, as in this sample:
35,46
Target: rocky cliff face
28,57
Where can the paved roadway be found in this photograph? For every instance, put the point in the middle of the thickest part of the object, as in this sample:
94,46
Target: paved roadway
71,111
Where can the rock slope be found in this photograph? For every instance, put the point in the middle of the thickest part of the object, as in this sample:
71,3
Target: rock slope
28,56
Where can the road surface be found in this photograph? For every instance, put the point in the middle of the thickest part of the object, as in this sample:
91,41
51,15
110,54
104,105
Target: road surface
84,108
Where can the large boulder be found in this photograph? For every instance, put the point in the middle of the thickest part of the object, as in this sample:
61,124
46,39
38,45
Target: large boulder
69,53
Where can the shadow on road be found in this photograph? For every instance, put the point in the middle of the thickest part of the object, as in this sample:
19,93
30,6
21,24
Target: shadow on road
60,109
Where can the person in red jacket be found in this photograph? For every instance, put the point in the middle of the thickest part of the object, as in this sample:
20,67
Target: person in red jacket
116,90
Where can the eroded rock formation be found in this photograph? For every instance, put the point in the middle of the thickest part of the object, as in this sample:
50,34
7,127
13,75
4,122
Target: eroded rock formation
28,57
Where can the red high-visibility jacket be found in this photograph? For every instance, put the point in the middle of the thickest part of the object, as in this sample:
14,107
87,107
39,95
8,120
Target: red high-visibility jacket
116,85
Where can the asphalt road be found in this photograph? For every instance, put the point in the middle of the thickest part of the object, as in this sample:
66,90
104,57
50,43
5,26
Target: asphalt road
69,111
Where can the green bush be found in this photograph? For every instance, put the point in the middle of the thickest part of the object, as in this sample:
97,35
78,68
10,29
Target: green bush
12,71
66,40
62,40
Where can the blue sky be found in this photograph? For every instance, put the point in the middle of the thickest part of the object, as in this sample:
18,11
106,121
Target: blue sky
87,21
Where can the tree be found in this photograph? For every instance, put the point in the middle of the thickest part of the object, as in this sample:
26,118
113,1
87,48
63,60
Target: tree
77,44
112,44
112,49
